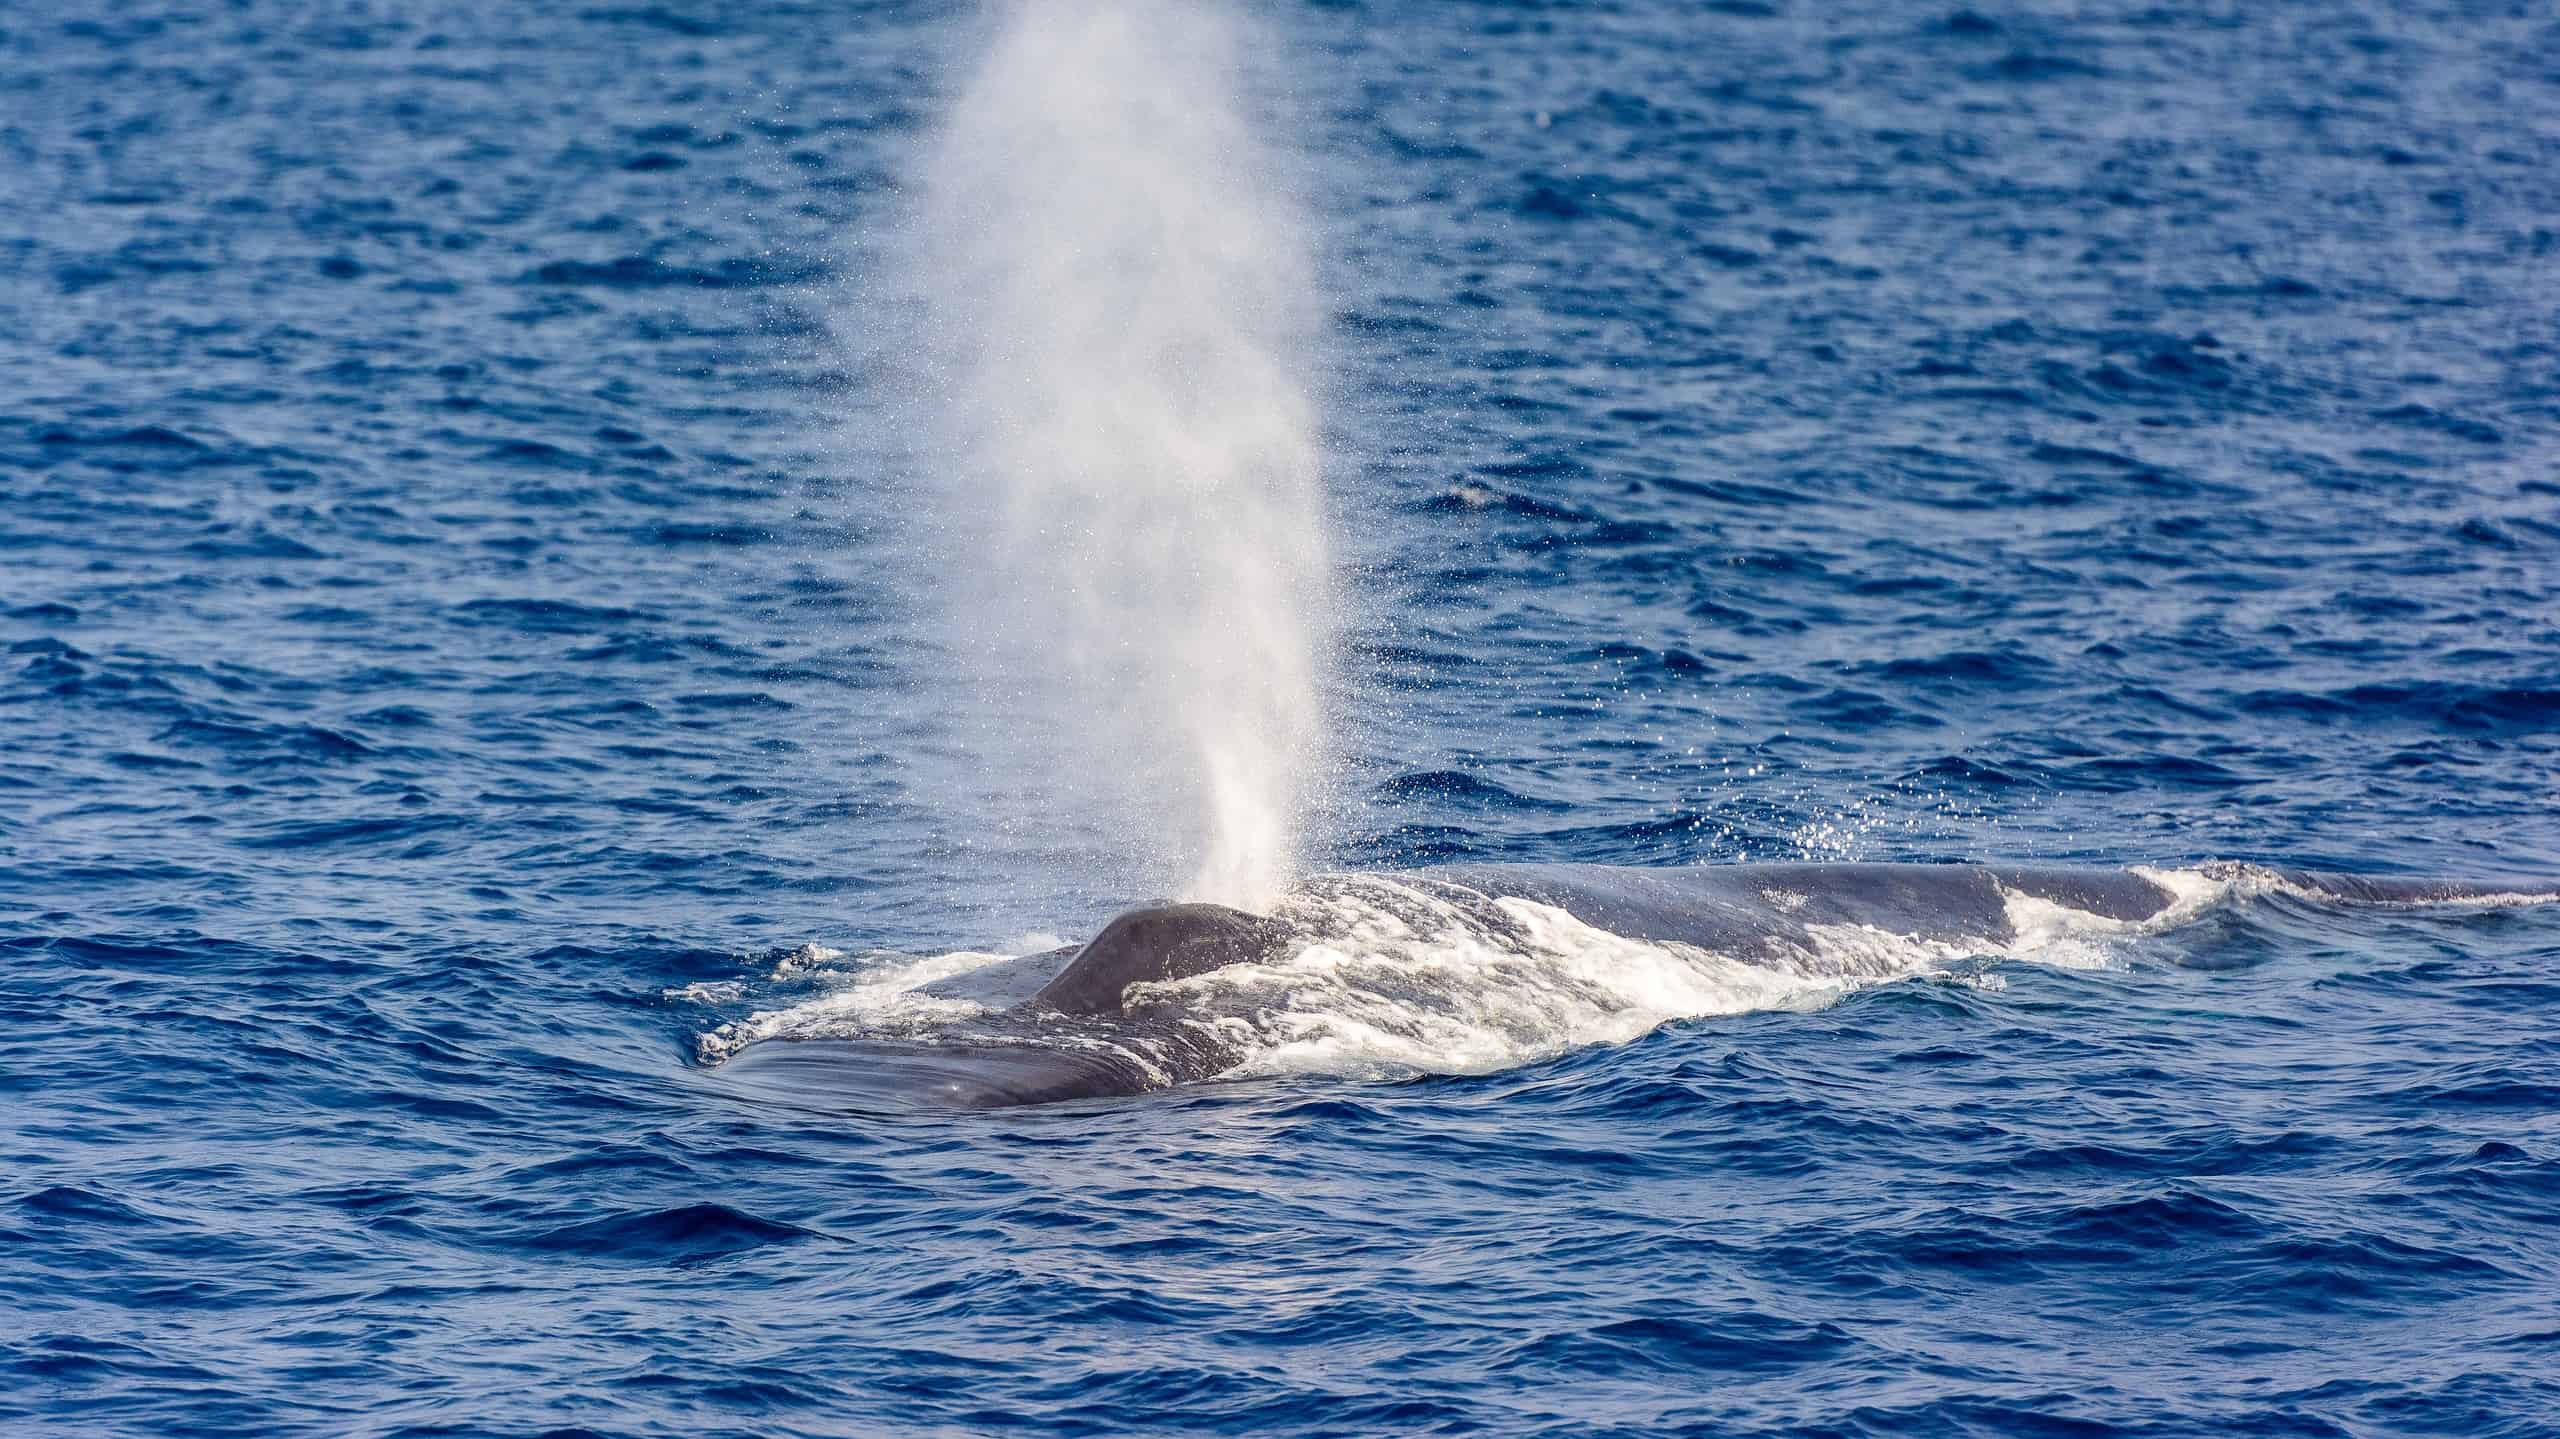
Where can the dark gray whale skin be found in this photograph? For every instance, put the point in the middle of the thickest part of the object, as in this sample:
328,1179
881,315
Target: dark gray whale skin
1172,941
1061,1010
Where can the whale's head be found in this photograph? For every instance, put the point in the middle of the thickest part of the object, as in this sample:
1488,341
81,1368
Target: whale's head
1173,941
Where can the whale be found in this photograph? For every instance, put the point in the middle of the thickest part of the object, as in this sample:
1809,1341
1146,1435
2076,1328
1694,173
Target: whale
1093,1021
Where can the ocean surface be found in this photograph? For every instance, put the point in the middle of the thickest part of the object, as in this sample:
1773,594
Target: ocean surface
458,671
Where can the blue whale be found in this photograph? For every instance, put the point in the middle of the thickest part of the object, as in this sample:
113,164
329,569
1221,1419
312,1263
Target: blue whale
1072,1023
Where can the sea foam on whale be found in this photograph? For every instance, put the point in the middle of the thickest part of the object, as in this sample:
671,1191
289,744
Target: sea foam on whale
1406,974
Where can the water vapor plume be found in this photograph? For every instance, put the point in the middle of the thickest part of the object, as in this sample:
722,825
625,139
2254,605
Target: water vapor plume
1124,478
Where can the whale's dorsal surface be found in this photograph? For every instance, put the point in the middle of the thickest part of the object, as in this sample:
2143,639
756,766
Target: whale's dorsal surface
1753,909
1062,1024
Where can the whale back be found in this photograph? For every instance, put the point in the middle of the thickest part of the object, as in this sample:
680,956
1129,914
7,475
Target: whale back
1056,1025
1749,910
887,1076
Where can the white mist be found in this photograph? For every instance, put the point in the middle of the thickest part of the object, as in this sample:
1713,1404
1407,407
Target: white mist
1123,477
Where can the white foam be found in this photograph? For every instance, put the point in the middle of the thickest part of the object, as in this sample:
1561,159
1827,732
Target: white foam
1397,979
2220,882
2499,899
707,991
807,959
878,1000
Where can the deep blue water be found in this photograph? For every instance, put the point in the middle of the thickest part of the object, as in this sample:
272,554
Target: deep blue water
453,666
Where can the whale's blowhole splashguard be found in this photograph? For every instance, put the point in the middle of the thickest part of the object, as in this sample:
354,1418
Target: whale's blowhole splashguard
1157,946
